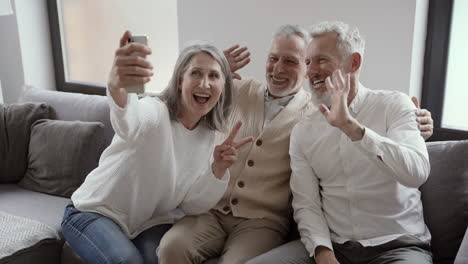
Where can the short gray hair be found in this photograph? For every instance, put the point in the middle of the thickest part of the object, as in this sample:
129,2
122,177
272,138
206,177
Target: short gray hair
289,30
349,39
171,96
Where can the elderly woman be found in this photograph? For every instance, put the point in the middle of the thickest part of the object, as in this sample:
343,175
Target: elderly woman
157,168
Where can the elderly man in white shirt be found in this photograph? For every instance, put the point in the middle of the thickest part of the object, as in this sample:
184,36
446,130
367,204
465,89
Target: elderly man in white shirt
356,165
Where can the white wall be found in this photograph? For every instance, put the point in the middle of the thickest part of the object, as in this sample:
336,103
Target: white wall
35,43
388,27
394,30
419,47
11,69
25,54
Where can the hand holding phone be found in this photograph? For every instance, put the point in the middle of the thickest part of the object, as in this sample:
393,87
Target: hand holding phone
142,39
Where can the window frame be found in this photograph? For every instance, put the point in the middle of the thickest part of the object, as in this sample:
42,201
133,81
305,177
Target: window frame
435,67
60,81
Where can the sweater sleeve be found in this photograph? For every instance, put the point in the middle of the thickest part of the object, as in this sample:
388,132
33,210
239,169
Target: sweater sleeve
137,116
205,192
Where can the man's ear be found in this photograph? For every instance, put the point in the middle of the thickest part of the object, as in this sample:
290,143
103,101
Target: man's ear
356,61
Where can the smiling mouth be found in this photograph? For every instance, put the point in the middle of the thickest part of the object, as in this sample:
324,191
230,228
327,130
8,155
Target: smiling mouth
277,79
201,98
318,83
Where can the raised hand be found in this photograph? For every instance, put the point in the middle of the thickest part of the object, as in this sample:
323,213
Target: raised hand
128,69
425,122
338,86
226,154
237,58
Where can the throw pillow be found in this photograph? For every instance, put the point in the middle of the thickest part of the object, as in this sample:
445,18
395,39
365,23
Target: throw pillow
445,197
61,154
15,125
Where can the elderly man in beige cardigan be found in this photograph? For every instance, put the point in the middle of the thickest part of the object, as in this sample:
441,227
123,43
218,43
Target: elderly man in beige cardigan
253,216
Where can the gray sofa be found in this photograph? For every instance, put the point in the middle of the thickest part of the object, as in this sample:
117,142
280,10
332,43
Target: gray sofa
444,195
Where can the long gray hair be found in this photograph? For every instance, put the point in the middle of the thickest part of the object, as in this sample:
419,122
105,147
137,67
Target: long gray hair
217,117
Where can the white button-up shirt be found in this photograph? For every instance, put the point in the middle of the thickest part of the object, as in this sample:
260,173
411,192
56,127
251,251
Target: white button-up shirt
366,190
274,106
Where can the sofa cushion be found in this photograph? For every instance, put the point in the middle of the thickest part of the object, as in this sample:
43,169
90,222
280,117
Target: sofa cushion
445,197
15,123
41,207
73,106
19,233
61,154
47,209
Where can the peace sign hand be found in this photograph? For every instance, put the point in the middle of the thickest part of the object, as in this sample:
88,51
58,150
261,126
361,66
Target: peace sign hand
226,154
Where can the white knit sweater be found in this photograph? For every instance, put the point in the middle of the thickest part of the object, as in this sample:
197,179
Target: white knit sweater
154,171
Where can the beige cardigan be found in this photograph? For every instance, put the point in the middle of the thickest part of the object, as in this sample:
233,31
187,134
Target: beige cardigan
259,184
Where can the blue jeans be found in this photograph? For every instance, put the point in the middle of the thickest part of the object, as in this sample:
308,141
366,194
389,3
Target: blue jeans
98,239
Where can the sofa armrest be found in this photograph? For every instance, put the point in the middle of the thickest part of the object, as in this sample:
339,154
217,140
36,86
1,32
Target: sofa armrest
462,254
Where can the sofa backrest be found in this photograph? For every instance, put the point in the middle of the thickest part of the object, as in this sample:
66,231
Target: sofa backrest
73,106
445,197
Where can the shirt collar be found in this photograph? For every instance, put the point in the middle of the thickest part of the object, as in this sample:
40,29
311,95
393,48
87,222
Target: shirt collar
283,101
358,100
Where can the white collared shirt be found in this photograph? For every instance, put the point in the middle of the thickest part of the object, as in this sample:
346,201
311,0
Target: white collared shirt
366,190
273,106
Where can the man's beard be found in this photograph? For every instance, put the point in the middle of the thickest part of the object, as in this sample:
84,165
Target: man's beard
322,98
280,93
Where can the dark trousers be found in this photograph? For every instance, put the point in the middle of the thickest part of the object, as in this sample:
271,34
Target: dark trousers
403,250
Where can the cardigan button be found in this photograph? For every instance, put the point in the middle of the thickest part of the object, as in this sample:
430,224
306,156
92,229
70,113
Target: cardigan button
226,208
241,184
234,201
259,142
250,163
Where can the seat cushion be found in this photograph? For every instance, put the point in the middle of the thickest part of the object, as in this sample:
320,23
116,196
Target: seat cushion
445,197
41,207
44,208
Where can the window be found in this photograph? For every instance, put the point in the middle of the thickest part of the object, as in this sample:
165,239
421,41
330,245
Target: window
456,87
445,93
86,33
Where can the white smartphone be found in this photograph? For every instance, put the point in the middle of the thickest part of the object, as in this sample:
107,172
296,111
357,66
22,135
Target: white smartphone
137,88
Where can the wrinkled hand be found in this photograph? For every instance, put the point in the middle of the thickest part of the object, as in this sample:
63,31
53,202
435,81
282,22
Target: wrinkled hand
324,255
226,154
237,58
129,69
338,87
425,122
